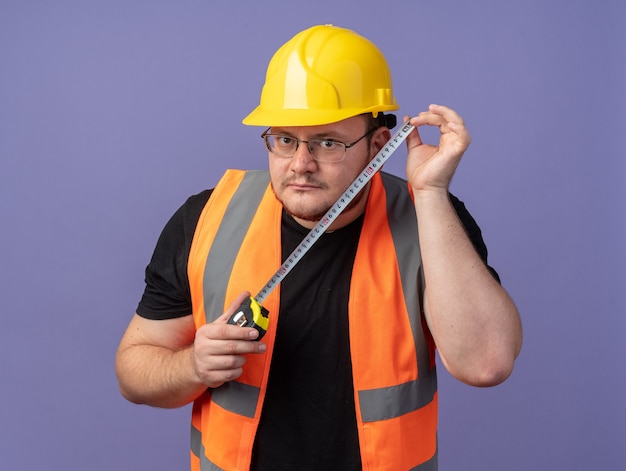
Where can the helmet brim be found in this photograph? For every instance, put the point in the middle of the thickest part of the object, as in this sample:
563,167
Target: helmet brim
306,117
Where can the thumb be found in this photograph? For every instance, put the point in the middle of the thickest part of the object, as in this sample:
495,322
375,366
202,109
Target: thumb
232,308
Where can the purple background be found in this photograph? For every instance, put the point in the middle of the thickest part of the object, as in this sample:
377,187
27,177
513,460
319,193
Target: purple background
113,112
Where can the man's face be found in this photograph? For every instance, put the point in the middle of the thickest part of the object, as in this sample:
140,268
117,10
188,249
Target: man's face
308,188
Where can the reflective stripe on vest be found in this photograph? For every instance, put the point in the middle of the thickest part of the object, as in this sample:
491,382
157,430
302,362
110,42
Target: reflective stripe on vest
232,230
430,465
227,256
386,413
394,401
403,224
392,354
234,396
198,454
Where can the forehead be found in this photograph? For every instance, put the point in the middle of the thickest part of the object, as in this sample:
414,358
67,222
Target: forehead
344,128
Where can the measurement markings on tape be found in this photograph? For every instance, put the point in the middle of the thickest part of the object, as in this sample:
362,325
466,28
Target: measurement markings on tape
258,317
357,185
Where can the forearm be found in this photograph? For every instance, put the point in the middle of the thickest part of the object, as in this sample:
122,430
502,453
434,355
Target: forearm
474,322
158,376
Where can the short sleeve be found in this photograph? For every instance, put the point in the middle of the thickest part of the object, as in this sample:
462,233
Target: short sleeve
167,294
473,232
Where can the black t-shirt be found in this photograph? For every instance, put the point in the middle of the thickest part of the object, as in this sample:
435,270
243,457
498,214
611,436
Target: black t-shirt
308,420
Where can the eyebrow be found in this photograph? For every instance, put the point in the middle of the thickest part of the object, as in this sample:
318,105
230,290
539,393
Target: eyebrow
331,135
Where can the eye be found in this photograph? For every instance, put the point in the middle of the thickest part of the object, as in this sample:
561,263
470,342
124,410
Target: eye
328,145
284,141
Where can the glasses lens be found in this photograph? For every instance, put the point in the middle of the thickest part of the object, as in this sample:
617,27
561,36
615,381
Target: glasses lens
323,150
327,150
283,146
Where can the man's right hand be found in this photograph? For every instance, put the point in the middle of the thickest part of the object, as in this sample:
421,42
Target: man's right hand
219,348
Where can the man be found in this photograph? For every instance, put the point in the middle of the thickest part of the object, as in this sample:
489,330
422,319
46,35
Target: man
345,376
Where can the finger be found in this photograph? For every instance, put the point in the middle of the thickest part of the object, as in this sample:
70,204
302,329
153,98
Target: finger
215,378
218,331
223,356
448,114
223,362
426,118
452,122
440,116
216,371
461,131
450,132
232,307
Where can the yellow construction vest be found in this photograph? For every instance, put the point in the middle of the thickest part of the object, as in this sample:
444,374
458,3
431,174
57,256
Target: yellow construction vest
237,247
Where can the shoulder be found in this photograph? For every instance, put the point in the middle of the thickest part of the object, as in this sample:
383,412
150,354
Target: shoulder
184,220
166,294
193,206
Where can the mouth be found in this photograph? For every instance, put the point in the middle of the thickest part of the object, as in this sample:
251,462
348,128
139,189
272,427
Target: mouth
299,187
303,186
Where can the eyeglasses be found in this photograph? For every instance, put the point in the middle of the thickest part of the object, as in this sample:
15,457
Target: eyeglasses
322,150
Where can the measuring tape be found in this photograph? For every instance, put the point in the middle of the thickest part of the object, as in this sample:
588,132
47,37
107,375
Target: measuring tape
251,313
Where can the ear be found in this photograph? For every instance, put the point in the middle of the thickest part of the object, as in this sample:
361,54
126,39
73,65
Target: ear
379,139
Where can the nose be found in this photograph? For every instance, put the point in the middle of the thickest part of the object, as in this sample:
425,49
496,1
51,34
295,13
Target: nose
303,161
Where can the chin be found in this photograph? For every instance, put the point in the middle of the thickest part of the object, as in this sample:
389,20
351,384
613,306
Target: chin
305,216
300,209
